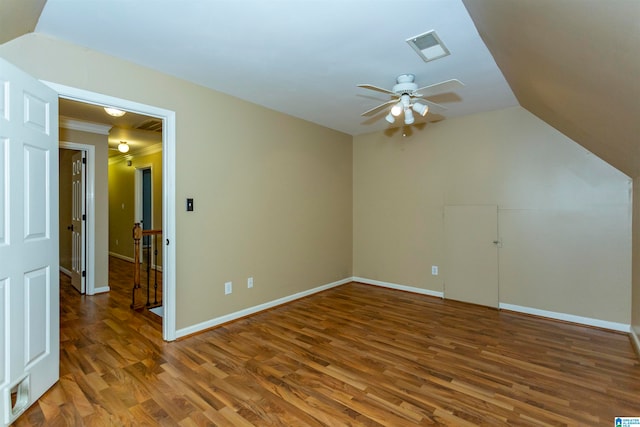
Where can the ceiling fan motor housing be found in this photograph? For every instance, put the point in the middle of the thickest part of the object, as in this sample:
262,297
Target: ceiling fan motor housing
405,84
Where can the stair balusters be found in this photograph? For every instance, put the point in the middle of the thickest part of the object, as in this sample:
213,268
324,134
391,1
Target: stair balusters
151,266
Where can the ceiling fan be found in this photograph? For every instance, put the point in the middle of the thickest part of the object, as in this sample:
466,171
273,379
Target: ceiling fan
407,97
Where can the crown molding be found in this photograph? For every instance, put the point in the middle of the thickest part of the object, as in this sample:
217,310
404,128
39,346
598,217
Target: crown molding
73,124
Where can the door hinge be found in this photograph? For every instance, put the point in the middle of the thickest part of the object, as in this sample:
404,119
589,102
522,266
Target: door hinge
84,160
84,273
84,217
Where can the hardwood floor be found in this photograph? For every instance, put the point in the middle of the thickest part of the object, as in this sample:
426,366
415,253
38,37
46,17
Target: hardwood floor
352,355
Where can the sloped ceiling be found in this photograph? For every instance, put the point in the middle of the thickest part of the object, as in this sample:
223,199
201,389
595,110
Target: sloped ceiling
575,65
18,17
301,58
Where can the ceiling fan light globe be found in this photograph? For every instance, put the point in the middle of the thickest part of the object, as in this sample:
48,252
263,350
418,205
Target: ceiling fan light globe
421,109
408,117
390,118
396,110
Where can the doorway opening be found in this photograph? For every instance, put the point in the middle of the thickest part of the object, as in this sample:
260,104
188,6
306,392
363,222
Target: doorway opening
168,189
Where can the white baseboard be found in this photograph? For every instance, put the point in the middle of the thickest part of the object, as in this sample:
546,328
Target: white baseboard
129,259
635,340
255,309
398,287
120,256
605,324
98,290
621,327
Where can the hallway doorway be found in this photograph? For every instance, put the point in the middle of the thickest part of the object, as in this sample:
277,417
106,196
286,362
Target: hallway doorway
167,208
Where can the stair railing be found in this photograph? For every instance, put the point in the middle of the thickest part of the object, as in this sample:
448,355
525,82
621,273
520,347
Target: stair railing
136,297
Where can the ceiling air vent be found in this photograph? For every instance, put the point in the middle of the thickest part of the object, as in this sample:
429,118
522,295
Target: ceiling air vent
428,46
153,125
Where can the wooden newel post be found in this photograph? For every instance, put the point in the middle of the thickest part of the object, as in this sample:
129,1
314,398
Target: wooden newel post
136,297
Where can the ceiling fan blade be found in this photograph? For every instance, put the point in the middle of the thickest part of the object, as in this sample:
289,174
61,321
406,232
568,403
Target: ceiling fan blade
433,89
379,107
377,89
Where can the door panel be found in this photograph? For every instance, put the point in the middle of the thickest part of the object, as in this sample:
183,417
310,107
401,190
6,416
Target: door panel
4,166
4,322
471,254
29,281
36,163
37,289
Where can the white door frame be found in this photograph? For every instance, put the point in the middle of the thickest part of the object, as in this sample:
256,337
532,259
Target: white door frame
90,223
168,188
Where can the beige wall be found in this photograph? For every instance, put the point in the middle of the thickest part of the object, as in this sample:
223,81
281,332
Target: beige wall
121,209
563,214
272,193
122,201
277,205
100,200
635,294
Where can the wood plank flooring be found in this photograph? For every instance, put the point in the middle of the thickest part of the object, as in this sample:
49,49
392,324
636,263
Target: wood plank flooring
353,355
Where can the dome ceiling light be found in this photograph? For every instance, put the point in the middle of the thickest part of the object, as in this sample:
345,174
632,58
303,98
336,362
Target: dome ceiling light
114,112
123,147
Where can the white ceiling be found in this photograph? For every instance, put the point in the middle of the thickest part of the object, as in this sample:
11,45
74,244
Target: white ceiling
303,58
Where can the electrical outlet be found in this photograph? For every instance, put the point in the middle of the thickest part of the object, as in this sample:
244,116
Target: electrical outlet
434,270
228,288
250,282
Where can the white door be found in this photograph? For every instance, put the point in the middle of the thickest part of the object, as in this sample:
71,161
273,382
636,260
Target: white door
29,264
471,254
78,220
